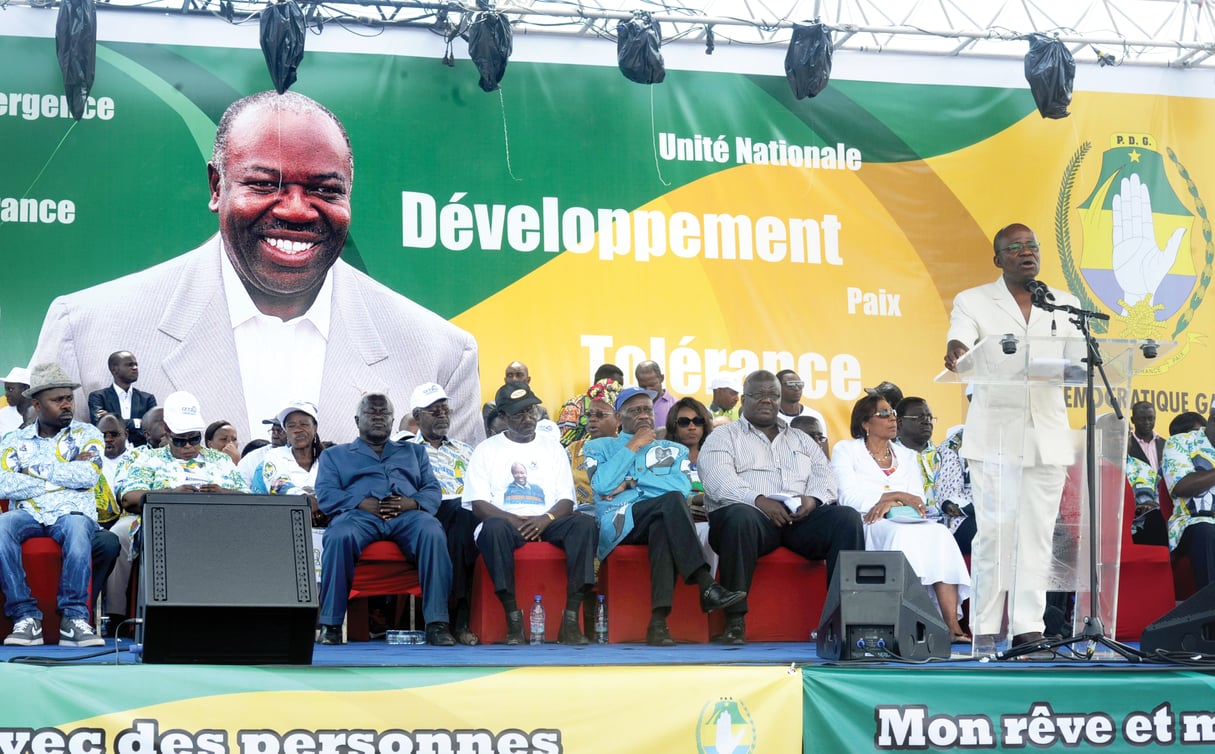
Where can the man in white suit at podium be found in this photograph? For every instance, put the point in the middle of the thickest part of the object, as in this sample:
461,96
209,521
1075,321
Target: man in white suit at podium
1013,547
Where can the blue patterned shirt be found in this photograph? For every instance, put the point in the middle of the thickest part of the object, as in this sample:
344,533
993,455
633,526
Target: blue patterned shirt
38,474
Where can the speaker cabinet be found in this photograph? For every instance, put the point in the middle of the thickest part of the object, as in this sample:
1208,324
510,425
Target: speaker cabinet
1189,627
227,579
877,608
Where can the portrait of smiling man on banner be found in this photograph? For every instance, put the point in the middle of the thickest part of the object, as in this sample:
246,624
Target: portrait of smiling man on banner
267,308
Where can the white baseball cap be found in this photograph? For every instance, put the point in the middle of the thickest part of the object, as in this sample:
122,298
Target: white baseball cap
727,380
305,406
183,414
426,394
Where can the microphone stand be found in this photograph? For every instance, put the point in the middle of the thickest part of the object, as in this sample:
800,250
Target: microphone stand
1093,632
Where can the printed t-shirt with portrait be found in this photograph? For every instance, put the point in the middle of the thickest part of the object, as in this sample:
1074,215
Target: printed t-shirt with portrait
542,466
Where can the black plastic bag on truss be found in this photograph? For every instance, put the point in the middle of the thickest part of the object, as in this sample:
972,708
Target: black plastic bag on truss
637,49
76,47
282,34
808,61
490,43
1050,71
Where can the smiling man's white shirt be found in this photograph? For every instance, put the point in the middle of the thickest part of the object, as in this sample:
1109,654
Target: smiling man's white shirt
279,361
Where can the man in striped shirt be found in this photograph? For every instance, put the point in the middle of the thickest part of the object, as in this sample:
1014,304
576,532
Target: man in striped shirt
767,486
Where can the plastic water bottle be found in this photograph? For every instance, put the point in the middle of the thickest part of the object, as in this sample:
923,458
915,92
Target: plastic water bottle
537,622
601,632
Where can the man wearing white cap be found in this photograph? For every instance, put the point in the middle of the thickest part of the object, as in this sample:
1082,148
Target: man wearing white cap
184,464
16,382
48,470
431,411
726,387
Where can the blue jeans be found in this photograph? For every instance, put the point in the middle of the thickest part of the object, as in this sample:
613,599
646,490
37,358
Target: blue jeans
74,533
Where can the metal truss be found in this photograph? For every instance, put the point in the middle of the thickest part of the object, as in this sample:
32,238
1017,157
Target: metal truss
1168,33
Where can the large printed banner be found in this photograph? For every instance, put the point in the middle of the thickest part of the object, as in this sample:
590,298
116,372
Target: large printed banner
218,710
709,223
1090,709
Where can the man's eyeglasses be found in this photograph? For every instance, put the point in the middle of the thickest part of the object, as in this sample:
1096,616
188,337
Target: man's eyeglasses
1017,248
885,413
598,414
771,396
441,409
795,383
684,422
924,418
531,412
638,410
182,442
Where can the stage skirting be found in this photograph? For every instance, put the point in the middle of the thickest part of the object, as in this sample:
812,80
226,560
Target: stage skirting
164,709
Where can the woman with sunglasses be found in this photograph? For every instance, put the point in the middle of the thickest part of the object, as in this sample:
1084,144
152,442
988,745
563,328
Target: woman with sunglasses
689,422
601,421
882,480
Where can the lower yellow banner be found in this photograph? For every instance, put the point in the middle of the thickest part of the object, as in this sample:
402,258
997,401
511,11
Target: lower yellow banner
717,710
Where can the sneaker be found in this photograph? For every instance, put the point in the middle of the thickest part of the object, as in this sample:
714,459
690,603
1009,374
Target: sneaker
76,632
27,633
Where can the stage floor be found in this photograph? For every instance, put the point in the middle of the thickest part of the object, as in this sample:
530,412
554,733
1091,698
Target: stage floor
380,654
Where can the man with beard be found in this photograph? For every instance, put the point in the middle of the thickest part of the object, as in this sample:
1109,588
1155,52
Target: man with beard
373,489
266,308
640,492
768,485
48,471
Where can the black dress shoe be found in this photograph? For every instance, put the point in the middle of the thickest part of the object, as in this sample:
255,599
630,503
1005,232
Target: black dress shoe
465,636
658,635
438,634
717,596
330,635
571,631
736,631
514,629
1029,637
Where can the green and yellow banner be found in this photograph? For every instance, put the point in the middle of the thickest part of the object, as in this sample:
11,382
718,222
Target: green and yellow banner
710,223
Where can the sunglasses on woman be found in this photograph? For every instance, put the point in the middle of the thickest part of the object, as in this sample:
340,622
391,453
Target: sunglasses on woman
684,422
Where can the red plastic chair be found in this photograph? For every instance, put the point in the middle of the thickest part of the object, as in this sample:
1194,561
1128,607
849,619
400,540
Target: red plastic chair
624,580
381,569
43,561
539,569
1142,569
1183,570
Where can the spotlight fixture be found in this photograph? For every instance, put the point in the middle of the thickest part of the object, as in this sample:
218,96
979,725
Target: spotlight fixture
1104,58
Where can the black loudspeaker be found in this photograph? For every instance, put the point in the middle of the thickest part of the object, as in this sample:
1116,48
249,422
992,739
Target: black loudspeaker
227,579
1189,627
877,608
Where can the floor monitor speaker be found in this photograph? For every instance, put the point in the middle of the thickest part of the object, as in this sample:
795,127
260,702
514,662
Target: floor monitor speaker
877,608
227,579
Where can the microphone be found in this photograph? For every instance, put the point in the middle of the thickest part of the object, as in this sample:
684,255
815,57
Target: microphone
1038,292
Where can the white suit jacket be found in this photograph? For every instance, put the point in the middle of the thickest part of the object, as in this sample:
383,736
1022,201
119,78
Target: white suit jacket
998,414
174,318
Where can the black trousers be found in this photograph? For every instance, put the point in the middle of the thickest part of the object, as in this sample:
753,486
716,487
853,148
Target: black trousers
741,534
577,534
1198,542
665,525
459,524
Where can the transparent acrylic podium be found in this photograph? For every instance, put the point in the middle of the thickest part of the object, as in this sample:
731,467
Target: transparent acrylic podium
1025,431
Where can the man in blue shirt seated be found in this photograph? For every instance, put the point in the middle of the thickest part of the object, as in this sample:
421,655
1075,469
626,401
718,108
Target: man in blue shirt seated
373,489
641,489
48,470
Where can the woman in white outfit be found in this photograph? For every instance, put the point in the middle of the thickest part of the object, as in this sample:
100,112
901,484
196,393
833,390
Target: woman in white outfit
876,477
